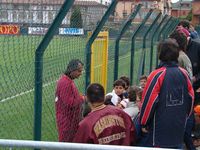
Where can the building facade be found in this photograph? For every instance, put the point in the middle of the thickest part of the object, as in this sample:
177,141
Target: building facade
125,7
181,9
42,12
196,12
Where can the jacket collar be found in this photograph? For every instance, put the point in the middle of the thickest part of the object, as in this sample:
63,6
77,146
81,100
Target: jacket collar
168,64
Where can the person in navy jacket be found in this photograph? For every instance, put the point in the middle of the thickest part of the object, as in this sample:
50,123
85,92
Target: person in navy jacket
167,100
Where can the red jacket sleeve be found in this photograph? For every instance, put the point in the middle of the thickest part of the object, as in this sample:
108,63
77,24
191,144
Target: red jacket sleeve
190,89
150,95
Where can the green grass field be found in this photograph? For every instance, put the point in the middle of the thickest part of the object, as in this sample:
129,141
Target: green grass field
17,80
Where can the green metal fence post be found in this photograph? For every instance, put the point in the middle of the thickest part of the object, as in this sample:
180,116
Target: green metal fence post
152,40
164,28
171,28
39,66
175,25
159,35
165,33
143,55
133,43
122,31
167,30
93,37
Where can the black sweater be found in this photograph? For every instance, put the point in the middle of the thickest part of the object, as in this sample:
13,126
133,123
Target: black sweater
193,52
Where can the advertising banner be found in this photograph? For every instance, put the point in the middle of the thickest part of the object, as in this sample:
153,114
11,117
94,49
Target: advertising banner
37,30
71,31
9,29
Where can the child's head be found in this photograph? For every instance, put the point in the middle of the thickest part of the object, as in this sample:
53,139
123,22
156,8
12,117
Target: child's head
126,80
184,24
143,81
119,87
134,94
138,94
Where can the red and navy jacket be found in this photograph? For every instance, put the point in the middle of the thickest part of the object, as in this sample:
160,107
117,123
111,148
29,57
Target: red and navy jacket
167,102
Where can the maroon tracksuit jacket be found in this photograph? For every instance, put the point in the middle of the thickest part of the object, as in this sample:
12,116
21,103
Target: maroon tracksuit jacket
108,125
68,108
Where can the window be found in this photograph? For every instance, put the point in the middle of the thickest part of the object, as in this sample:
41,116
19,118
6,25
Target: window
116,13
4,15
26,7
30,16
10,16
34,16
16,16
51,16
21,16
39,17
45,17
26,16
7,6
124,13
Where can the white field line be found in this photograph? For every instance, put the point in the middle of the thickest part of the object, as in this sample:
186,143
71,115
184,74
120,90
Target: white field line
45,85
23,93
113,61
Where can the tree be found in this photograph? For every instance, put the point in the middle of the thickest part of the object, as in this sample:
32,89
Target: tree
76,18
189,16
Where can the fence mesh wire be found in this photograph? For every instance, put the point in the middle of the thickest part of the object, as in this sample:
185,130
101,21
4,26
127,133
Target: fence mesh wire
27,22
23,24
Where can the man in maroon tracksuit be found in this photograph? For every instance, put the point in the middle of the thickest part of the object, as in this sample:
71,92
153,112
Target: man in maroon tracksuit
68,102
105,124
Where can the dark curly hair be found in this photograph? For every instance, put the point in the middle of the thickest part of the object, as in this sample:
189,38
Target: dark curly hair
73,65
168,50
126,80
95,93
120,82
180,38
185,24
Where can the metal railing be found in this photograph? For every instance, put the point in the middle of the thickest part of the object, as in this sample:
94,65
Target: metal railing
66,146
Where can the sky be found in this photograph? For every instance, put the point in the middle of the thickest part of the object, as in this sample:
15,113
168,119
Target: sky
103,1
174,1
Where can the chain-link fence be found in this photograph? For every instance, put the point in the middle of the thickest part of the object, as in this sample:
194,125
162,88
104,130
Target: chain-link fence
27,25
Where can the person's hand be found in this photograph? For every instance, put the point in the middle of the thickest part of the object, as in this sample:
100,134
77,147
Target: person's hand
197,117
191,28
120,106
198,90
83,97
194,79
145,130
